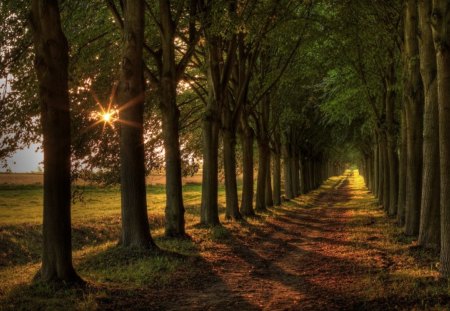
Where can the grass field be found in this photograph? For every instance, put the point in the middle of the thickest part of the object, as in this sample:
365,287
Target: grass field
21,199
21,204
37,178
96,229
397,275
95,215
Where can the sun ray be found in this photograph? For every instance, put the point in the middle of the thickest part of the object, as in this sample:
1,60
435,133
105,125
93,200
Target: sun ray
108,114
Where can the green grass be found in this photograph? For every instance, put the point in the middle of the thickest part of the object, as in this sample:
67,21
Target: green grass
23,204
96,217
96,229
114,271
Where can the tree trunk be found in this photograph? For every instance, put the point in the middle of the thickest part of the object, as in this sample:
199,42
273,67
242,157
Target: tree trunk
376,172
51,66
302,174
174,213
310,175
385,172
391,134
229,158
401,208
380,170
393,177
287,174
295,175
247,138
276,179
414,121
441,35
130,97
429,231
263,151
269,193
209,213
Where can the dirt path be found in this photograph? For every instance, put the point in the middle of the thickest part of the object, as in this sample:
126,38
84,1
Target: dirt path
293,263
325,254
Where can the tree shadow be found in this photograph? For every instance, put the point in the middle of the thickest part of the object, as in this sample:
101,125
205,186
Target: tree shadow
121,278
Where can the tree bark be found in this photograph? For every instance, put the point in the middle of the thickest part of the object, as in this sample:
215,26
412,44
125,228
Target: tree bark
391,134
429,231
385,172
441,36
287,174
276,179
295,171
310,175
51,66
209,213
263,150
229,158
247,138
174,212
375,168
380,169
130,98
269,193
414,121
401,208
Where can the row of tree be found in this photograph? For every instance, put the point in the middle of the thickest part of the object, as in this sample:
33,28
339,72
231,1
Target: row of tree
218,70
406,160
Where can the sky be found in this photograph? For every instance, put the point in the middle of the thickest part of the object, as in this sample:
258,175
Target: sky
26,160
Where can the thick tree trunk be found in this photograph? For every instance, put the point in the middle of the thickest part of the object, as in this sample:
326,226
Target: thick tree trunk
130,97
51,65
269,193
209,212
229,158
414,121
429,231
247,138
401,207
276,179
441,36
263,151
